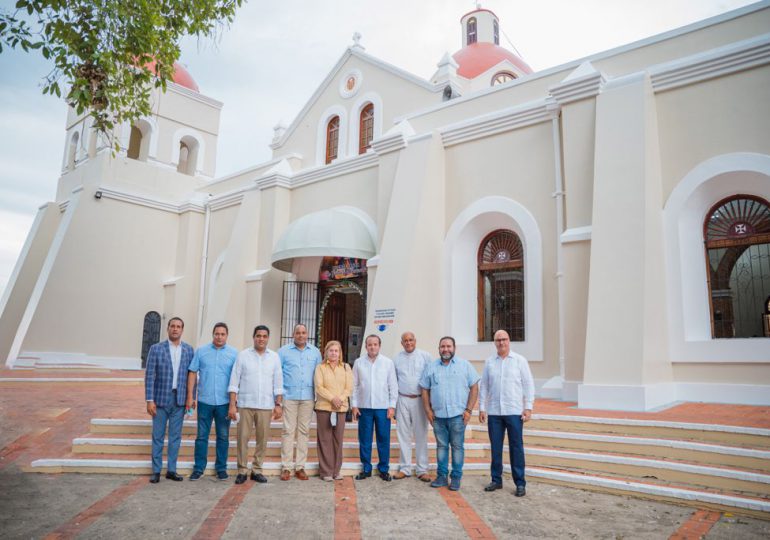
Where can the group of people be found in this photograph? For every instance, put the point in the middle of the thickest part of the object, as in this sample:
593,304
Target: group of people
258,385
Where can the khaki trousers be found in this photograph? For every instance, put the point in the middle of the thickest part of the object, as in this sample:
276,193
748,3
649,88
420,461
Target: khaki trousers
253,420
296,426
330,440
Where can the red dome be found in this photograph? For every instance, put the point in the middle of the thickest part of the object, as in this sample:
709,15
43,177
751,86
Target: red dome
181,76
476,58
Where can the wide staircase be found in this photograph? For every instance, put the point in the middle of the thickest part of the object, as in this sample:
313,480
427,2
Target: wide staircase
709,466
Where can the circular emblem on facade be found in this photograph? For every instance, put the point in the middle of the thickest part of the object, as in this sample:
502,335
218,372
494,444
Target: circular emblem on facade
350,83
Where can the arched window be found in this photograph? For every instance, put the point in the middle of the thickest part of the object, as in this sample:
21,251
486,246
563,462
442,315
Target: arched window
134,143
496,31
471,31
188,156
150,333
332,139
72,151
502,77
366,129
501,285
737,239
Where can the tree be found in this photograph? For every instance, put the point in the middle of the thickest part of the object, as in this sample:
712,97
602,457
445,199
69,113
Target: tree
108,55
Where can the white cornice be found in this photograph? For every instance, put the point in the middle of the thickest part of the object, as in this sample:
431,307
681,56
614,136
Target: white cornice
252,169
192,94
143,200
717,62
576,234
389,143
225,200
275,179
587,83
340,167
500,121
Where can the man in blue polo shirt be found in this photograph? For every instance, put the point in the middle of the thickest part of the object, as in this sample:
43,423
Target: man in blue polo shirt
298,362
450,386
213,363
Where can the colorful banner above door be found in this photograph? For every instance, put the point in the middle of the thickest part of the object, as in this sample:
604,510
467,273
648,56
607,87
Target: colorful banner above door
334,268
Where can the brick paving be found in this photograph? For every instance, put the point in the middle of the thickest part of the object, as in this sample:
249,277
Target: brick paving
47,416
347,526
474,526
698,526
220,516
84,519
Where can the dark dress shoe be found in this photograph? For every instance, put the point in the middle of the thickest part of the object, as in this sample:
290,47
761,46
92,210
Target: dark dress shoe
386,476
240,479
520,491
174,476
154,478
195,476
493,487
258,477
363,475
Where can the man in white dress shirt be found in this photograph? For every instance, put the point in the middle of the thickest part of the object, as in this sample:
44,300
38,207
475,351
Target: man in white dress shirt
410,412
375,392
256,387
507,394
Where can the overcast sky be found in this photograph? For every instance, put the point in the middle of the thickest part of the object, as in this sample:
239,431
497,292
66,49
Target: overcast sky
266,66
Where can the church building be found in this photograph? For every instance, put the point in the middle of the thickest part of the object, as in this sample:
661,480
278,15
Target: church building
611,213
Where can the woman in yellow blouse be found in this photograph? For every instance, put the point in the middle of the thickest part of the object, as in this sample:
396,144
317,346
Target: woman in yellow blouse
333,385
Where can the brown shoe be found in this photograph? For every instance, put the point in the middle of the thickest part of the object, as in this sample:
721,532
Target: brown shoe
400,476
425,477
285,474
301,474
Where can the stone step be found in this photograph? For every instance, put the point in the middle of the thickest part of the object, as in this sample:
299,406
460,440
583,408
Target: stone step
679,472
648,488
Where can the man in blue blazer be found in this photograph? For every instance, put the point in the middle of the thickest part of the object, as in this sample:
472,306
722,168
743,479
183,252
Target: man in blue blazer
165,389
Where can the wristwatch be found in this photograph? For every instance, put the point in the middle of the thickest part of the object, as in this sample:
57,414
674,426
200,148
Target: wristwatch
468,410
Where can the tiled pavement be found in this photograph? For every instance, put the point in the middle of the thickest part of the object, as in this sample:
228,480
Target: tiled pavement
40,419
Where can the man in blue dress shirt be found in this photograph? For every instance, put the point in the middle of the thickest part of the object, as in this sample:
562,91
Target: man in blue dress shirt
298,362
449,391
165,389
507,395
213,363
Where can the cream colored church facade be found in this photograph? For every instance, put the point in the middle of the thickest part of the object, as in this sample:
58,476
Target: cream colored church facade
611,213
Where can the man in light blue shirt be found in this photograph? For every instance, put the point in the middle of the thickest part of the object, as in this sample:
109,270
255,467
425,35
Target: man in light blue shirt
298,362
449,391
213,363
507,395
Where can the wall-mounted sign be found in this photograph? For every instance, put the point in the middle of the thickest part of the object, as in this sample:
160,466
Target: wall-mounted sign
335,268
383,318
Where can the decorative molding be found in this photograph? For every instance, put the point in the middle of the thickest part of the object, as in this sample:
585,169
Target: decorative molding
274,180
389,143
192,94
170,282
738,56
576,234
584,82
157,204
339,167
527,114
225,200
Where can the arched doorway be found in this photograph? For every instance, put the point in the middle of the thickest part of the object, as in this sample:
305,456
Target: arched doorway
150,333
342,306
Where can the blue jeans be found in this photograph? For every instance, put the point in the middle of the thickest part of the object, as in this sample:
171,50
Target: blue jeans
173,415
207,413
497,426
377,419
450,432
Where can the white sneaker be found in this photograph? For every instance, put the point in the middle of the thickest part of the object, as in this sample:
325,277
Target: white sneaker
339,477
327,478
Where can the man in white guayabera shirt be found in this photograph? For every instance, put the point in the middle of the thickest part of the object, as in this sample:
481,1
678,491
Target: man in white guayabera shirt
256,388
410,412
507,393
375,392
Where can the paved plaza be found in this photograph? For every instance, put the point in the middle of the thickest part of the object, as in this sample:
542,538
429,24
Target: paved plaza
40,419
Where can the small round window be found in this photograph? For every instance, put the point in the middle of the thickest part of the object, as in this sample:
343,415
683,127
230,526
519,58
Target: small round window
502,77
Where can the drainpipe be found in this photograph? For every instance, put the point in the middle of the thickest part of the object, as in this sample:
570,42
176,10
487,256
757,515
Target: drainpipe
204,260
558,196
